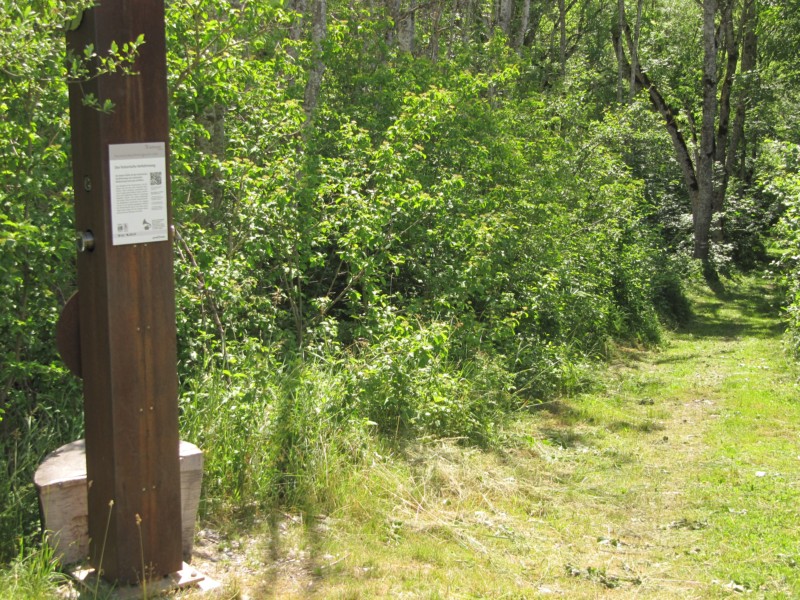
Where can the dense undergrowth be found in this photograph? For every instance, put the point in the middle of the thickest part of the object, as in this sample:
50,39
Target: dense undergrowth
782,180
434,245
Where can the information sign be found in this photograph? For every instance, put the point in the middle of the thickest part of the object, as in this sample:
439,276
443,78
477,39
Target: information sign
138,175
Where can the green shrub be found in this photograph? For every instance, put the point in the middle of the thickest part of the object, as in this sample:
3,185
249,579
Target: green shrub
782,181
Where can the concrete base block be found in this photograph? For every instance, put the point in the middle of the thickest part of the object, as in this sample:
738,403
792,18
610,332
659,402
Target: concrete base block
187,577
61,483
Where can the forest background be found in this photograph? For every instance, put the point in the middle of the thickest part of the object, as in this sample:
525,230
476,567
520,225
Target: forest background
398,219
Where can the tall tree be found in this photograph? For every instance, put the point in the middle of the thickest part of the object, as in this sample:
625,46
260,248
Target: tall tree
637,28
667,112
319,31
721,147
506,11
562,36
403,29
735,160
525,16
703,202
623,71
706,164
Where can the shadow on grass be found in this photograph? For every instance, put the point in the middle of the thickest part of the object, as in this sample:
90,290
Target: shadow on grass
676,358
747,308
293,562
705,327
565,438
557,408
646,426
743,309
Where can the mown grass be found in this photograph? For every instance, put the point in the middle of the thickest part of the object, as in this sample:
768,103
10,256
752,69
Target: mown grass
676,477
749,486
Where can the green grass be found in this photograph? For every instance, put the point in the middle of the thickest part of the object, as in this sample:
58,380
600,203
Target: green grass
33,575
676,477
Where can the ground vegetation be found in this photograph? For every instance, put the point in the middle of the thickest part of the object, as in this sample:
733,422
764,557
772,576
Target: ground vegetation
398,220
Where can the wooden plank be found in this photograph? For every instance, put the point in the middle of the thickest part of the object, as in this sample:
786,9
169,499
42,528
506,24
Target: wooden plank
126,313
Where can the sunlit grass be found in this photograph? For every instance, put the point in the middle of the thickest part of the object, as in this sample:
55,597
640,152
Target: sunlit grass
677,477
33,575
674,476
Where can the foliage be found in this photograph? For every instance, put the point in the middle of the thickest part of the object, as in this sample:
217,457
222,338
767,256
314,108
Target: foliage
405,382
781,183
436,247
33,575
450,234
38,399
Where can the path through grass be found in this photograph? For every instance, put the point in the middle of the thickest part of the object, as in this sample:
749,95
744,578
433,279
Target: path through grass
678,477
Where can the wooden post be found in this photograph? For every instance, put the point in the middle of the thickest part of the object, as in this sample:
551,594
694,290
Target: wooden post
126,313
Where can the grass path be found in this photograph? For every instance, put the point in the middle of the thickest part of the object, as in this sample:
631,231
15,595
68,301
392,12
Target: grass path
678,477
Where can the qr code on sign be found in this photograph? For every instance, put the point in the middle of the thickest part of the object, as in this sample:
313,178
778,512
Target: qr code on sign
155,178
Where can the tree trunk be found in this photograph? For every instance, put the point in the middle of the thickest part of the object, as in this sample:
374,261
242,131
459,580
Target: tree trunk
298,7
487,16
296,28
433,48
702,209
637,28
562,30
506,7
393,6
721,149
523,26
736,162
406,29
621,71
466,21
319,31
666,111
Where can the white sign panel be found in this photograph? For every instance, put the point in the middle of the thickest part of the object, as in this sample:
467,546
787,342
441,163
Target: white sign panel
138,175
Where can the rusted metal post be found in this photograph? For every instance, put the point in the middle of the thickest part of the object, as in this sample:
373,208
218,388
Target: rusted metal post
126,313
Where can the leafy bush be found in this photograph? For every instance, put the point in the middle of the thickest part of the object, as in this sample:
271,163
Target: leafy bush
782,181
40,404
405,383
432,248
435,245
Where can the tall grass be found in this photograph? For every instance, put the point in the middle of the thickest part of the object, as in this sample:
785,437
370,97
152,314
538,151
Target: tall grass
25,440
272,433
32,575
282,430
286,432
